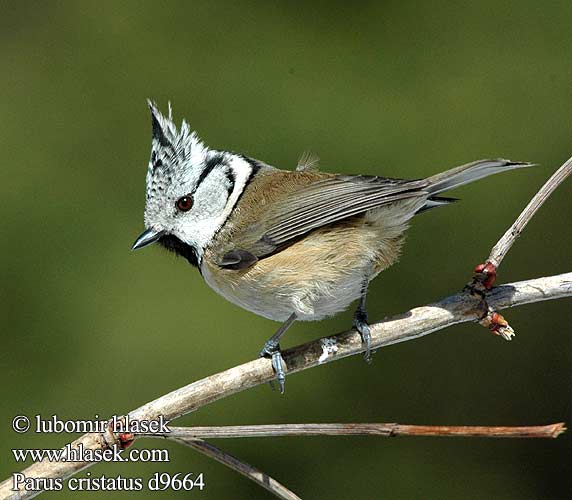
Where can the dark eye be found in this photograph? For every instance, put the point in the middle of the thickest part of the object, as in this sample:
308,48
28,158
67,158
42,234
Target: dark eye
185,203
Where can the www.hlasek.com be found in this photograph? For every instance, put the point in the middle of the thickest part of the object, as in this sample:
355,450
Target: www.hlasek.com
123,427
80,453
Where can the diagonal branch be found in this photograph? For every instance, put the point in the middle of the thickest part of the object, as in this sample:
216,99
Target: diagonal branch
502,247
260,478
411,325
415,323
486,273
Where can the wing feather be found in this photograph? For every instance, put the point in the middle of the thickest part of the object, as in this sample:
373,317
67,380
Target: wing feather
331,200
322,202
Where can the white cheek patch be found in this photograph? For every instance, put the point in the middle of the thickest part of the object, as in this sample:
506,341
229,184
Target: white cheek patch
210,198
213,204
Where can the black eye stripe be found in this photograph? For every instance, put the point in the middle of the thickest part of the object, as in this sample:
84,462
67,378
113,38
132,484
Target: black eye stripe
231,180
211,163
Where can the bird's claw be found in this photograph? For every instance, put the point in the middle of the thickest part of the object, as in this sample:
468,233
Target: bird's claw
272,350
278,366
362,326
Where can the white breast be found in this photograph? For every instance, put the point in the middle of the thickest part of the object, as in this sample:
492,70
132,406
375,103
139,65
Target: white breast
322,299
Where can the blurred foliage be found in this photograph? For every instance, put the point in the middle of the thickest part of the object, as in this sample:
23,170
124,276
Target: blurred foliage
401,89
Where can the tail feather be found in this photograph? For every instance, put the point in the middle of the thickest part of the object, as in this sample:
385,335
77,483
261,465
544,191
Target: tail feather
470,172
436,202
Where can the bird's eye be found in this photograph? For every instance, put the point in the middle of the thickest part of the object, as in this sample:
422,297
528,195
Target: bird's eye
185,203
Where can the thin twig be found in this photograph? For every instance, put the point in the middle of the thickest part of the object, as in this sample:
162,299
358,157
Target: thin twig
415,323
194,438
486,273
385,430
502,247
240,466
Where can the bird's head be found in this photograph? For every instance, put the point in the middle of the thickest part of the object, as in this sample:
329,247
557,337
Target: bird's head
191,189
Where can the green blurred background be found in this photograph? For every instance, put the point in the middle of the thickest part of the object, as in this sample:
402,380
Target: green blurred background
401,89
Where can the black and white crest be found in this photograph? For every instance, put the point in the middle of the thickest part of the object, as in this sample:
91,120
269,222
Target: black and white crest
171,148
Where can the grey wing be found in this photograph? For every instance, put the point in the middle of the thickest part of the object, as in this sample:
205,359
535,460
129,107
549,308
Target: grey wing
318,204
328,201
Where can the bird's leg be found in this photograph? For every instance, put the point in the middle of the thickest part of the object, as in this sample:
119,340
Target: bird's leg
271,349
360,322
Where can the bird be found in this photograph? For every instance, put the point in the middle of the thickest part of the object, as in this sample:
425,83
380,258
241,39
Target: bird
288,245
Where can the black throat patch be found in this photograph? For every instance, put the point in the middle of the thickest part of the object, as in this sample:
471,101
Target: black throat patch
175,245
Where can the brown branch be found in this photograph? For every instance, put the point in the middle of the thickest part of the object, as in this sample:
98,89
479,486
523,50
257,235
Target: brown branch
260,478
194,438
385,430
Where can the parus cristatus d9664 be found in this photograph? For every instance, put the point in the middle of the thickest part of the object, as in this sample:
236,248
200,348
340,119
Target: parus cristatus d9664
285,244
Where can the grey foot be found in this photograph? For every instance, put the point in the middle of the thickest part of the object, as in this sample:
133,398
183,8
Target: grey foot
272,350
362,326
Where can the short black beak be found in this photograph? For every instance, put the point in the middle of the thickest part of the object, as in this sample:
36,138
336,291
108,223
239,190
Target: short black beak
147,238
